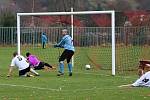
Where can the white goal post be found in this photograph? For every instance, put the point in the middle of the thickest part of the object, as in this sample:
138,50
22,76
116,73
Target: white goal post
73,13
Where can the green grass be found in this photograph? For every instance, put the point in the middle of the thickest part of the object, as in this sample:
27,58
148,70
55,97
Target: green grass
94,84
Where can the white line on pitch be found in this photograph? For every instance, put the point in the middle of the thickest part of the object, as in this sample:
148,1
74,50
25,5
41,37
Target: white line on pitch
60,89
33,87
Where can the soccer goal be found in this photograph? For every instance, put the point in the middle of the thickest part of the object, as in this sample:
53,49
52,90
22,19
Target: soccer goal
100,41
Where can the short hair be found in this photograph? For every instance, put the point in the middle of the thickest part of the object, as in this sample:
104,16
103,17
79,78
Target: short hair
15,53
27,54
64,30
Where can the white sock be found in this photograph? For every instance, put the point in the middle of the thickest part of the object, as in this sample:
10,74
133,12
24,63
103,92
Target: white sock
33,71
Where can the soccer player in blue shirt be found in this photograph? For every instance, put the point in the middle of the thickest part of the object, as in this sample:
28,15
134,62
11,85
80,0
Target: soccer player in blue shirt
66,43
44,40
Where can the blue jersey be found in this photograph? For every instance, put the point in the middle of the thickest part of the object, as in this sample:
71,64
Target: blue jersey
66,43
44,38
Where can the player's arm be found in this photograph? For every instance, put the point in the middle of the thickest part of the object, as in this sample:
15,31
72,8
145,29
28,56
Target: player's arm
10,71
46,40
27,59
141,67
137,83
127,85
140,72
11,67
60,44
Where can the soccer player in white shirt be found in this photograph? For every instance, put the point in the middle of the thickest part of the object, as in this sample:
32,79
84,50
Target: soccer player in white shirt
23,66
143,81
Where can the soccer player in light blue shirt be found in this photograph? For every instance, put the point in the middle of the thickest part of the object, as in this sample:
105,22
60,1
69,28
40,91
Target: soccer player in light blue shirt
44,40
66,43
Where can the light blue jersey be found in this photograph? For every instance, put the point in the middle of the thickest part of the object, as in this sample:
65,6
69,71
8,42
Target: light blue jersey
66,43
44,38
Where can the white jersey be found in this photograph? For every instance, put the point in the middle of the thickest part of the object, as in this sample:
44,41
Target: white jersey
20,62
144,80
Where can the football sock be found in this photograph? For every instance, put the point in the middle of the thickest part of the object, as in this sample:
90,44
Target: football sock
61,66
33,71
70,67
48,65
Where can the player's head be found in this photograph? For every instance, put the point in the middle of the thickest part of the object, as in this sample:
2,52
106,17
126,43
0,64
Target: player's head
64,31
147,68
15,53
43,33
140,72
27,54
143,70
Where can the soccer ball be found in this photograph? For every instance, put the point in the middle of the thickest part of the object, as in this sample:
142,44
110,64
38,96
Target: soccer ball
87,67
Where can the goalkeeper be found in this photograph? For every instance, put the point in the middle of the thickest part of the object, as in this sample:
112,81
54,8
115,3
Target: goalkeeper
36,63
66,43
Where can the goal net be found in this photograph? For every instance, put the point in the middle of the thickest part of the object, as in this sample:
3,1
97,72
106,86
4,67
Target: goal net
93,34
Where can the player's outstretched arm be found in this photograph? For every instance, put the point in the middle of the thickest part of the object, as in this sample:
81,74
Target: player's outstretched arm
127,85
58,46
10,71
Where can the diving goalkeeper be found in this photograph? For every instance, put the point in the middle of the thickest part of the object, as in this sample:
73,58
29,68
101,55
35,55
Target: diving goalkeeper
36,63
66,43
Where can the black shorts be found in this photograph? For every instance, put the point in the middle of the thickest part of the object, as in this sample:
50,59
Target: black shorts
67,54
24,71
40,66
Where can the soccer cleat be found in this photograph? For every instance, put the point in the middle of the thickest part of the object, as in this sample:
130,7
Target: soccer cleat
28,75
37,74
53,67
70,74
31,75
8,75
60,74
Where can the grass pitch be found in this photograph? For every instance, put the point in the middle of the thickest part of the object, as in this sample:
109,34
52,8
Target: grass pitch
83,85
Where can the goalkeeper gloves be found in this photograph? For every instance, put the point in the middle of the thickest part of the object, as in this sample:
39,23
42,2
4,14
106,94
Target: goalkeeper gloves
60,46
